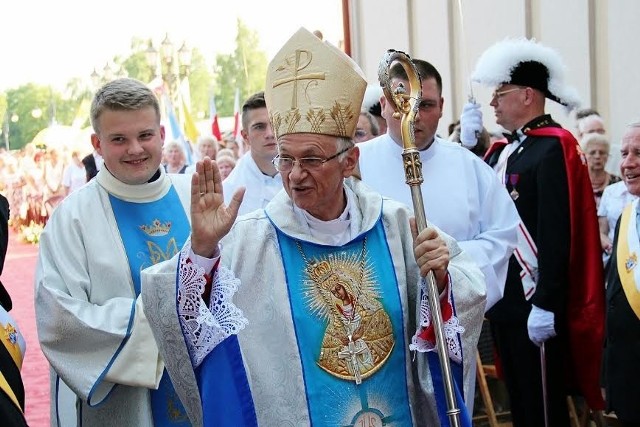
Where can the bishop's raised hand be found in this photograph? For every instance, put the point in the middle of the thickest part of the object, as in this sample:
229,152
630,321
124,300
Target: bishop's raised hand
211,219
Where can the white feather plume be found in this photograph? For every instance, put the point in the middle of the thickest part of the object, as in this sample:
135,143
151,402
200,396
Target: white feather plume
495,65
371,96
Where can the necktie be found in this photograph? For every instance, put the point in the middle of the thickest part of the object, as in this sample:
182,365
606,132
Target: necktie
511,137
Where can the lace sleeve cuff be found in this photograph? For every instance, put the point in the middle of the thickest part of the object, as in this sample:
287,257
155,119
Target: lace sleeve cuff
424,338
206,327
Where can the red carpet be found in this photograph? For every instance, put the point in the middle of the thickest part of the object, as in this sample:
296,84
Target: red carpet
17,277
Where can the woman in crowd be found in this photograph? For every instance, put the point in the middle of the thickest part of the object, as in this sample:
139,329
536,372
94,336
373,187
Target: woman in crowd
226,162
207,146
176,159
75,175
596,147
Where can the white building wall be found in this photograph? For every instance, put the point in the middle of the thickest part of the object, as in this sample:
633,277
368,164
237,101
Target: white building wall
596,38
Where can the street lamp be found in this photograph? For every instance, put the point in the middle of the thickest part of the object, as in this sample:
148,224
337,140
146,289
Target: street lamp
151,55
170,68
166,47
95,78
168,64
108,73
184,59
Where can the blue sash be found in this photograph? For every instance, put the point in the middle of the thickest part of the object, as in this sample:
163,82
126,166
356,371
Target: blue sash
348,321
439,391
153,232
225,393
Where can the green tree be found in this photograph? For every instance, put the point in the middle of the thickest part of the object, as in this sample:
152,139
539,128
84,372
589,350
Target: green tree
3,118
3,104
74,104
63,108
31,108
226,81
245,68
35,107
135,64
200,82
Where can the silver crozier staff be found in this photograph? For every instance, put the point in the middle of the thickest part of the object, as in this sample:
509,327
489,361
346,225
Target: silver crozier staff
406,101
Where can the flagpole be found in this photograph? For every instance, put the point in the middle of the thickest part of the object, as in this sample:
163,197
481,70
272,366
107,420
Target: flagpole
213,115
236,123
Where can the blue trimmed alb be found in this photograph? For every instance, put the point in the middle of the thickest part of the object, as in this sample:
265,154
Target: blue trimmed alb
153,232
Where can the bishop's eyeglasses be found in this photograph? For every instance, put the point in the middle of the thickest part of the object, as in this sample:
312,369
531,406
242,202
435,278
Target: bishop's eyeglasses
286,163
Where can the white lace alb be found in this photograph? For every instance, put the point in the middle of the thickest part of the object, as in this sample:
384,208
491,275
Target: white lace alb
206,327
452,327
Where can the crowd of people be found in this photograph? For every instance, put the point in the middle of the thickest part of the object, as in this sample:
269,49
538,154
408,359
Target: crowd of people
289,286
32,181
35,179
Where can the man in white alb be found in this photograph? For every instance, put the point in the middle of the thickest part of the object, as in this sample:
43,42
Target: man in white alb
255,172
462,196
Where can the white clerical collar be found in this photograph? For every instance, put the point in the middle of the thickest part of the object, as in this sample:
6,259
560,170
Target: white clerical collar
147,192
335,232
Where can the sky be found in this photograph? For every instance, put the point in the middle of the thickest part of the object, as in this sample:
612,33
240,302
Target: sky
50,42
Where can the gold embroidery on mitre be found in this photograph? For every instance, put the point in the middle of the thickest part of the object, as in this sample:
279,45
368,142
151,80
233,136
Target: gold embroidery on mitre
291,119
276,121
294,63
157,228
358,339
313,87
316,117
342,115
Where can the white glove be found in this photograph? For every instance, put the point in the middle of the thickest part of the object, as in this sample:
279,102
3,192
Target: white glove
470,124
540,325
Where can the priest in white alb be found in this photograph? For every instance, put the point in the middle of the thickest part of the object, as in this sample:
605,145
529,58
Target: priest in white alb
462,196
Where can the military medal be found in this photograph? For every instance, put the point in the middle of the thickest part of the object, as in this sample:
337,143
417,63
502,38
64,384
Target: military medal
10,334
513,180
631,262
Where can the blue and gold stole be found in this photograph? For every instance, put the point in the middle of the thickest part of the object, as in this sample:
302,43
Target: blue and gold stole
153,232
627,253
349,325
11,357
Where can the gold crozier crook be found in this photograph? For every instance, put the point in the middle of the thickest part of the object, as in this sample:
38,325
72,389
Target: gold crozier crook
407,101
